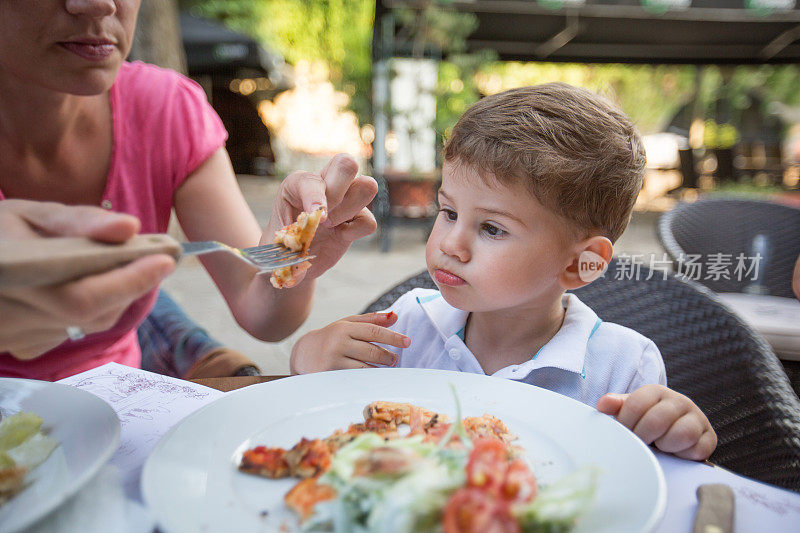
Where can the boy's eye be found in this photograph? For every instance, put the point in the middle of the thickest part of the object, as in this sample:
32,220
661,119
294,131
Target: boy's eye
493,230
449,213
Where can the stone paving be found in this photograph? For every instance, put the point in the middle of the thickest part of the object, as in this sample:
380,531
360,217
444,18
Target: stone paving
362,275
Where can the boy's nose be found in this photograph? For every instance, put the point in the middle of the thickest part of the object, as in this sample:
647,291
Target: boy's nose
91,8
454,243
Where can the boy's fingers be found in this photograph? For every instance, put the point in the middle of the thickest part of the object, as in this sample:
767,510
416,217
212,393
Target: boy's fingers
611,403
381,319
682,435
638,403
369,332
370,353
703,449
657,421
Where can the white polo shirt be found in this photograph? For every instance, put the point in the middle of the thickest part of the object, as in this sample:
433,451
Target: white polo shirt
584,360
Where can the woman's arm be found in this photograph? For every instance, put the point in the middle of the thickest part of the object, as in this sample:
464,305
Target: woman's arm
210,206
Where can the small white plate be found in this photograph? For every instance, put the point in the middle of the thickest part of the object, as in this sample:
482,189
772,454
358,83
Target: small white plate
87,431
191,482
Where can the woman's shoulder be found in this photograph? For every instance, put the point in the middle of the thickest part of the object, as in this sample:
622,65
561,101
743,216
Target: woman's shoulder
136,73
151,84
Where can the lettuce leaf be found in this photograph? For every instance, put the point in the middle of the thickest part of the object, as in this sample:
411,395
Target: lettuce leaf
14,430
558,506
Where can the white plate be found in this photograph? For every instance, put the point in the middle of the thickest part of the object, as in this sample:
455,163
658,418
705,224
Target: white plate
87,431
191,483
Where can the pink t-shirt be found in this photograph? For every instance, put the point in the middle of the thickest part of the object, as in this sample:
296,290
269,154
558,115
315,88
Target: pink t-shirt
164,129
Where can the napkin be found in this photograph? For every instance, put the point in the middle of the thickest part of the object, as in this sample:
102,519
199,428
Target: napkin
99,507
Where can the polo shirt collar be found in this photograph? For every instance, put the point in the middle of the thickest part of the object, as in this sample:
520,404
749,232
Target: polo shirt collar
447,319
566,350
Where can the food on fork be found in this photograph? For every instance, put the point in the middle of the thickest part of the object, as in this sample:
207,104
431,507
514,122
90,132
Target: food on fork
296,237
438,476
23,446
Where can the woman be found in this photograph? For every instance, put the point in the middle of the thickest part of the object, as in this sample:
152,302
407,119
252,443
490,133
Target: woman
80,127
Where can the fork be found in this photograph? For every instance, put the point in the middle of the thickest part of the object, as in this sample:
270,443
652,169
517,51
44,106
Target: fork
35,262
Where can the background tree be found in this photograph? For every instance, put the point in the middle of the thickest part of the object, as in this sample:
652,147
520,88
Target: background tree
337,33
158,35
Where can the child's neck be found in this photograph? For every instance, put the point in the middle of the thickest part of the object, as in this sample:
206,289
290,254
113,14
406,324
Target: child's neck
510,337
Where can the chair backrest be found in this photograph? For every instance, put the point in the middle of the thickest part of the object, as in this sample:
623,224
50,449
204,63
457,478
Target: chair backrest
727,369
734,227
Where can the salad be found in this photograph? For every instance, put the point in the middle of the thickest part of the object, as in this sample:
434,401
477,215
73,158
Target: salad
455,478
23,447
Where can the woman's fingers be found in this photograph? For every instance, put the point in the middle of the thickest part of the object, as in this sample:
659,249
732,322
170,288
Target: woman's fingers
81,302
33,343
101,293
359,194
300,191
339,175
308,191
54,219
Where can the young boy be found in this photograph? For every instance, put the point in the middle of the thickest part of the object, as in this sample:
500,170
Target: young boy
534,179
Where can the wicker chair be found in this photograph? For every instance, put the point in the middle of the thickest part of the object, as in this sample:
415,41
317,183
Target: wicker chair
710,356
732,226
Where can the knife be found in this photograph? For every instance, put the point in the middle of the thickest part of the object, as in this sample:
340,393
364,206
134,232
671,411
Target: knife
714,509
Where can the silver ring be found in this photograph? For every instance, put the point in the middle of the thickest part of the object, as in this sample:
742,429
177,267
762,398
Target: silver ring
75,333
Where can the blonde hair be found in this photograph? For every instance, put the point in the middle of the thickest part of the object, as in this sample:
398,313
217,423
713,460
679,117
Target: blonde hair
578,154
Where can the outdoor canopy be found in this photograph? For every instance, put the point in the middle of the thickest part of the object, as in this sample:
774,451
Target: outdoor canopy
619,31
211,48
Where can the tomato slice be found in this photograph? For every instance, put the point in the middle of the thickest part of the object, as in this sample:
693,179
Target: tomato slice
520,484
487,465
474,510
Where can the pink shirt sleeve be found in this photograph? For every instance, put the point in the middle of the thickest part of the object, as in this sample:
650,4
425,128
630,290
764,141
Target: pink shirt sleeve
197,130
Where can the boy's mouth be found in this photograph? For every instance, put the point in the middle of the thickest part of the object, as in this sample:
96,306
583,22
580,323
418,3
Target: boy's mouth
447,278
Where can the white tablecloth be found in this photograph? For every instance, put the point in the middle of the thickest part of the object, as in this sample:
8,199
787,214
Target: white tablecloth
759,507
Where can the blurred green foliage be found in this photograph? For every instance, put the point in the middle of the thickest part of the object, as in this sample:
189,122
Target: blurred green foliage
719,135
336,32
339,33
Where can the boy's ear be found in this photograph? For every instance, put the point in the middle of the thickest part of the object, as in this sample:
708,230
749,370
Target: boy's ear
590,262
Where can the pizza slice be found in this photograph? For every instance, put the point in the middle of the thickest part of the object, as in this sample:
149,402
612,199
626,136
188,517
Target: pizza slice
265,462
306,494
398,413
296,237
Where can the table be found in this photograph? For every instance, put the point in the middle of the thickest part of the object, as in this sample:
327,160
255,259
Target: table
227,384
759,507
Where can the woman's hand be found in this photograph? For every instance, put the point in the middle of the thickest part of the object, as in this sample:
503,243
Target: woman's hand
343,193
35,318
348,343
661,416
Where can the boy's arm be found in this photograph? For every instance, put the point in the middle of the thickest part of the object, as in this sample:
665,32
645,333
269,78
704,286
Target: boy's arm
348,343
661,416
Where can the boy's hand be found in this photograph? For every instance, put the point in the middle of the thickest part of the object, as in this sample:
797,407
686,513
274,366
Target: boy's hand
663,417
348,343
